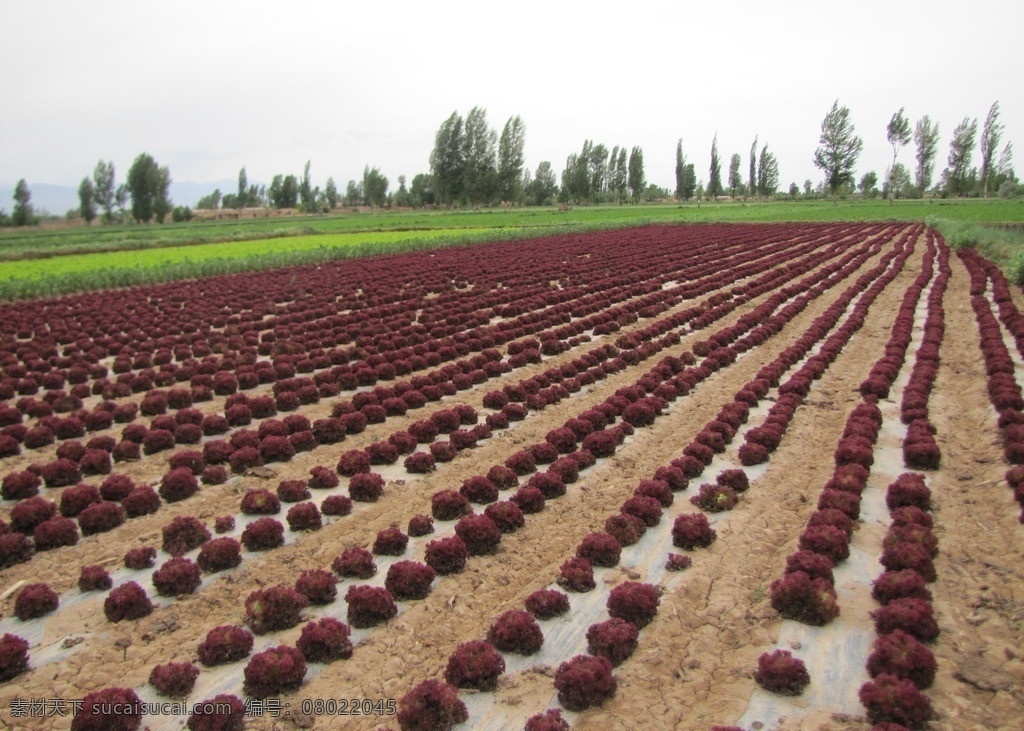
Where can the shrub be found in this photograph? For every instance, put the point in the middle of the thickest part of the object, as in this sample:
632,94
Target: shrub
223,712
177,576
816,565
369,605
584,681
99,518
447,555
35,600
13,656
549,720
811,601
390,541
28,514
142,557
625,528
263,534
900,556
183,534
913,616
353,462
409,580
634,602
645,508
76,499
449,505
888,698
93,578
480,534
826,539
678,562
293,491
420,463
174,679
325,640
319,586
908,489
601,549
506,515
304,517
274,608
127,601
274,671
516,631
260,501
614,639
420,525
366,487
355,562
20,485
219,554
336,505
431,706
900,585
224,644
780,672
547,603
475,664
178,484
576,574
96,712
529,499
715,498
692,531
549,483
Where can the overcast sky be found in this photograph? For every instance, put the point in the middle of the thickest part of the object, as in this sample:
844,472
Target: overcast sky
209,86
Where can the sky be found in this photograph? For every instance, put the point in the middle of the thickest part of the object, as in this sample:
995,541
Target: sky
208,87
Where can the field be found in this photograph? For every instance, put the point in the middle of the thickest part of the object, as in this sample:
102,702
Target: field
714,441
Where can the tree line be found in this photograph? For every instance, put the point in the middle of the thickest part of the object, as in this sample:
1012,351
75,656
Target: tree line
471,164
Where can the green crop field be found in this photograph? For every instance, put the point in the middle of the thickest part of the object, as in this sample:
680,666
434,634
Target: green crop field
50,262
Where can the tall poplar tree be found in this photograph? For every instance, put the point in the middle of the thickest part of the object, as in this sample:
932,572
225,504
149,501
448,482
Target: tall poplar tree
839,149
714,188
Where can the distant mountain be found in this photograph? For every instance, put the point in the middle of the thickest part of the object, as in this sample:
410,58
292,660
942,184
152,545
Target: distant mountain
57,200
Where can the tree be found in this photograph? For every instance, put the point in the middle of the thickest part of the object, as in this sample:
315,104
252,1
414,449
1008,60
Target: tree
735,179
680,165
21,214
689,181
958,163
637,181
898,134
87,200
544,185
448,160
148,186
618,176
794,190
480,172
243,189
284,191
839,150
753,167
353,193
103,184
926,139
991,134
375,187
422,190
767,173
510,160
714,188
808,187
307,194
868,181
210,202
597,167
331,193
899,181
